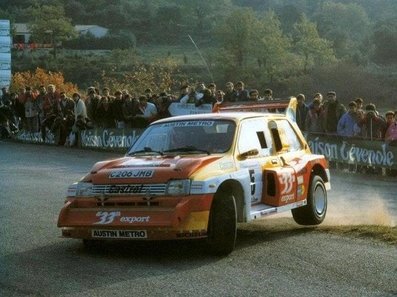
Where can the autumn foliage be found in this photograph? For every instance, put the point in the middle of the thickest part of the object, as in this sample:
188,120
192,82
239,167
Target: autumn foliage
41,77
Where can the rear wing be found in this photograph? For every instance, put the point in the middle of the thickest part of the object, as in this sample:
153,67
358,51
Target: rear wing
286,106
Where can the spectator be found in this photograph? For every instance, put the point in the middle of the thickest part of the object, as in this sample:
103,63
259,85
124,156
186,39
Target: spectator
347,125
391,132
106,93
253,95
65,119
268,94
389,115
318,96
333,111
207,98
372,125
219,100
105,117
51,97
212,88
241,93
191,97
91,103
5,96
117,109
148,113
184,90
301,112
41,103
163,103
360,110
314,118
230,94
130,109
31,111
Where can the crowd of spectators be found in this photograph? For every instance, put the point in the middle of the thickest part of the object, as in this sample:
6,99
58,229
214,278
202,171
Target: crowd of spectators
48,109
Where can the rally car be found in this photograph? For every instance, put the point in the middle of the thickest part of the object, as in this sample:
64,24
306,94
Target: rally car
197,176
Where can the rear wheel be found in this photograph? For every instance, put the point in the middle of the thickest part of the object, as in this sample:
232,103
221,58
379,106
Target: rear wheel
314,212
222,227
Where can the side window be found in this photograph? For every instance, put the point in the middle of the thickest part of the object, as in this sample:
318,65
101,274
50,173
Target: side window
284,136
254,134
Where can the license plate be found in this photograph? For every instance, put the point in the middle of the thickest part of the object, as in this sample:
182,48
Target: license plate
125,234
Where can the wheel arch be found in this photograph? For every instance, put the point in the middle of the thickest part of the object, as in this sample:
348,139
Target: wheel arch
235,188
319,170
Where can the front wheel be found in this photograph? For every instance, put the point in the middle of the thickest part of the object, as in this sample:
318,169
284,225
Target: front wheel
313,213
222,226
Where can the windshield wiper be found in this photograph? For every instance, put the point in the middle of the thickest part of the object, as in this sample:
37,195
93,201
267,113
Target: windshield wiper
146,149
186,149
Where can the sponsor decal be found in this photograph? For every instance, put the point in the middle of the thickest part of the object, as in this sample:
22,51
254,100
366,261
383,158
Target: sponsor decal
136,173
119,233
132,220
126,189
191,234
287,180
300,179
106,217
287,198
189,124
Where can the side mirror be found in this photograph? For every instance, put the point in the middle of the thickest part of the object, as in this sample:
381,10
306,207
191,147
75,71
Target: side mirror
247,154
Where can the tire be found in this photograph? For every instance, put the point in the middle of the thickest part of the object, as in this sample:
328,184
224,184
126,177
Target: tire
313,213
222,226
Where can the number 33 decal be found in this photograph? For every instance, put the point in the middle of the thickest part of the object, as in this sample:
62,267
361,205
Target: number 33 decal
287,180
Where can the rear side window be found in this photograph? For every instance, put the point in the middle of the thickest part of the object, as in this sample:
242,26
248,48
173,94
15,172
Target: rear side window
284,136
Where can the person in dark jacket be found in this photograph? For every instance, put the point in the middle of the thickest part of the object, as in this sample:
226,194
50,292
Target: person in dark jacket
333,111
301,112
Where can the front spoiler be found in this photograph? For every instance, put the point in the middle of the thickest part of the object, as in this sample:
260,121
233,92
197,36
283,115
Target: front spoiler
187,219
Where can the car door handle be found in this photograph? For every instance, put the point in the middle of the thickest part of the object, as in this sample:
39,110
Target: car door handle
274,161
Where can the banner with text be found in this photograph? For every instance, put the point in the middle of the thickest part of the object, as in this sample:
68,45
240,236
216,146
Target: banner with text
354,151
109,138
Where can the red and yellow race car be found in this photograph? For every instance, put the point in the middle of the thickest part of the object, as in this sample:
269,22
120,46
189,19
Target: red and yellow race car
197,176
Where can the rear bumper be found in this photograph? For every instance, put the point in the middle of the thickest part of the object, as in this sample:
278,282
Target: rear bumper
188,219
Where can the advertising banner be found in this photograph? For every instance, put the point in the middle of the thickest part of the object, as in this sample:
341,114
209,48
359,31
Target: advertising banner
5,61
5,44
354,151
109,138
4,27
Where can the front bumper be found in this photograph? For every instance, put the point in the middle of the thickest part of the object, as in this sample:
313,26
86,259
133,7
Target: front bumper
188,218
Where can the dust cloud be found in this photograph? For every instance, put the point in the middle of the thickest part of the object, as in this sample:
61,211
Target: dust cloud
369,209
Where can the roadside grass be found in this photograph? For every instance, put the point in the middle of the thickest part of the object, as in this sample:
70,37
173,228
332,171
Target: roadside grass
379,233
284,226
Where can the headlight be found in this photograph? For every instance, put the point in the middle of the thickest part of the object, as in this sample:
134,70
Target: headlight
80,189
178,187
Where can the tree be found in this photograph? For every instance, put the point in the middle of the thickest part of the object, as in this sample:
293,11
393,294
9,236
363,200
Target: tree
239,34
272,47
384,39
347,25
49,22
310,46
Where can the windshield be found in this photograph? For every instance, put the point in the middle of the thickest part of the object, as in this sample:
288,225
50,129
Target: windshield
212,136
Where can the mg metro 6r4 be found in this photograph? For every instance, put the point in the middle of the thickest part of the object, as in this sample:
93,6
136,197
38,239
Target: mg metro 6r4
197,176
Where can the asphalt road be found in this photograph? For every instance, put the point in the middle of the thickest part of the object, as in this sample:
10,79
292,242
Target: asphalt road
268,261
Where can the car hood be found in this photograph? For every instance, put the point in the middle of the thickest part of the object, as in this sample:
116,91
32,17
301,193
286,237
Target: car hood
153,169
